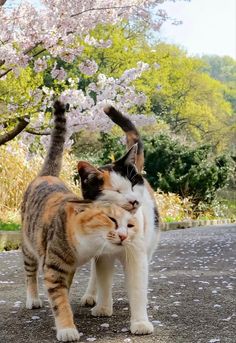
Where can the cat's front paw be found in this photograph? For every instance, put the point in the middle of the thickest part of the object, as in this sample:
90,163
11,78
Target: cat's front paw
102,311
67,335
33,303
88,300
141,327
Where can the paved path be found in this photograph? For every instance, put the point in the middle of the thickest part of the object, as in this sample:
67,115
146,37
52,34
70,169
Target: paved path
192,295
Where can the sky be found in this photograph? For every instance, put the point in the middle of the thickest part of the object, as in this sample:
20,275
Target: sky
209,26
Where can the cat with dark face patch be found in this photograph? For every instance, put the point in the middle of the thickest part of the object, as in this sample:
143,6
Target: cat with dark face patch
121,183
118,182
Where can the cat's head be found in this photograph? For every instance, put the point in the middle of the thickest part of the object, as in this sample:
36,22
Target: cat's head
118,182
110,225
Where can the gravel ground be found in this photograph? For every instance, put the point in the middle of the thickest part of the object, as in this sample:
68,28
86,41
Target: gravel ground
192,295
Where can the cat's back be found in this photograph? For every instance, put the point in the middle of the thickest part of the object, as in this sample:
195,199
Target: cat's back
42,194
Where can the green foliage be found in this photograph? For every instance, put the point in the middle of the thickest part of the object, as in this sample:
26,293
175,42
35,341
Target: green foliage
220,68
195,97
112,148
190,101
181,91
177,168
187,171
127,49
20,91
9,226
224,70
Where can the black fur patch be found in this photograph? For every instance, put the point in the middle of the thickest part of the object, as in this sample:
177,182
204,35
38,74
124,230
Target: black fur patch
92,183
91,186
125,170
156,218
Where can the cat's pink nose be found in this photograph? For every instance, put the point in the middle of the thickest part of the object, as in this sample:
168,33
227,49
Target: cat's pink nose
122,237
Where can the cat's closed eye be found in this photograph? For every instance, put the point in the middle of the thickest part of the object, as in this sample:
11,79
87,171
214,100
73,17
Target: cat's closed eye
114,220
130,225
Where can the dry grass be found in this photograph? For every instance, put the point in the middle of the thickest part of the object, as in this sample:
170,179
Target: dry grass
16,172
173,208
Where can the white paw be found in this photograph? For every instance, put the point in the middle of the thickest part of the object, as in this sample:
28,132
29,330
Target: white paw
102,311
67,335
88,299
33,303
141,327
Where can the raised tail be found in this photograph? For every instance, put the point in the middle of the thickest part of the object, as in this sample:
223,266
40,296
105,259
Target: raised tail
53,160
132,134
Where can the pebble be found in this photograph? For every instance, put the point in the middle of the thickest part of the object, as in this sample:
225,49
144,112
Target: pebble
105,325
35,317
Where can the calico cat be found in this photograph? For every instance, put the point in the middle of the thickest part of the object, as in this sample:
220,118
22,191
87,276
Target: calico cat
121,183
61,232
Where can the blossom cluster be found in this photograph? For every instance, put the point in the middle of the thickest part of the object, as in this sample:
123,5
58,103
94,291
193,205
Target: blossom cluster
55,25
86,107
59,28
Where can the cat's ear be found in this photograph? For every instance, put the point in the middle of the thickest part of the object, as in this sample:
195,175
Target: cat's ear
78,208
85,169
130,156
75,207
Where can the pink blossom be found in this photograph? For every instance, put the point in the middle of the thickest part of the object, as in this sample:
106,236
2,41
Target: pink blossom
56,26
59,74
88,67
40,65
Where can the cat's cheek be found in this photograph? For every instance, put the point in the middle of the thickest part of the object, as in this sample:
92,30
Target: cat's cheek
139,192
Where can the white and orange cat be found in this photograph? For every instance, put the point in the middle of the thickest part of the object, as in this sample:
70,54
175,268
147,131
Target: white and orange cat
61,232
121,183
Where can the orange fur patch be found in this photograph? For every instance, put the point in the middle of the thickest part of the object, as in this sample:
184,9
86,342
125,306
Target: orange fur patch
50,179
131,138
139,159
106,180
51,206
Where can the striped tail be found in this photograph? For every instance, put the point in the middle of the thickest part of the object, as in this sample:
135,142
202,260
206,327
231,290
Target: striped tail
53,160
132,134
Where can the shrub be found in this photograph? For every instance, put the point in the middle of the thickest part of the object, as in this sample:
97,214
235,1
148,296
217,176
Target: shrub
112,148
189,172
176,168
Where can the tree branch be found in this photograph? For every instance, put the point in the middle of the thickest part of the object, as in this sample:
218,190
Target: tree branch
25,53
2,2
6,137
101,9
37,133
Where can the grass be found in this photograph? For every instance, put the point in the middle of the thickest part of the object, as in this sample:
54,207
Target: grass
9,226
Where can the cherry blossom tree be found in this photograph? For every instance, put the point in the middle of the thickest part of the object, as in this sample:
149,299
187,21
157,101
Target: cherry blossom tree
37,37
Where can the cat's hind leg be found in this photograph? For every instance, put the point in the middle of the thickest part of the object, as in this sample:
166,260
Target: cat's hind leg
31,276
90,295
57,282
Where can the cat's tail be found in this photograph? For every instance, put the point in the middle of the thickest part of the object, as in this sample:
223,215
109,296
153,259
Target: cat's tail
53,160
132,134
